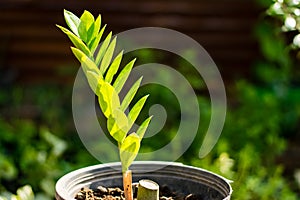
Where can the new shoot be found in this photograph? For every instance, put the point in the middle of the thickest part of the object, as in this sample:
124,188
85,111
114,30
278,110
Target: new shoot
101,71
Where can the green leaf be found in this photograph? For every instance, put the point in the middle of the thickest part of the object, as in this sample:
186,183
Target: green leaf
76,41
131,93
97,26
121,79
135,111
93,44
89,34
108,56
72,21
86,63
94,81
93,30
117,125
58,145
113,67
108,99
86,21
90,69
143,127
129,150
103,48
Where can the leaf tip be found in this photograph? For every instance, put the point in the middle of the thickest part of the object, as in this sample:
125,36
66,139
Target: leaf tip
146,96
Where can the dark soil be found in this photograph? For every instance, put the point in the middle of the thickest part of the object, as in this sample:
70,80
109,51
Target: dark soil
103,193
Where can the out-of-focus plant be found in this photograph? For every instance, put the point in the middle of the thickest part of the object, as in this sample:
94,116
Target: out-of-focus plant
278,70
23,193
29,152
249,144
29,155
260,118
288,11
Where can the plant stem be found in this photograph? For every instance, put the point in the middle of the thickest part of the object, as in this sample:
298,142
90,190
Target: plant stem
127,184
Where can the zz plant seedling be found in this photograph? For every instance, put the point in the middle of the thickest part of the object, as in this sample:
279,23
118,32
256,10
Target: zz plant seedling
100,69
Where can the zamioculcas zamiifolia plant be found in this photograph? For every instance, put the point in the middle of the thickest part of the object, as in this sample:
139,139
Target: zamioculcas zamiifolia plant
101,71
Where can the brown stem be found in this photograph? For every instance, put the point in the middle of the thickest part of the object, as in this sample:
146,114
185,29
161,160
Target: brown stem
127,184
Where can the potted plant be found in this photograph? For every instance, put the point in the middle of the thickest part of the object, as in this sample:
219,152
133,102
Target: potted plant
101,71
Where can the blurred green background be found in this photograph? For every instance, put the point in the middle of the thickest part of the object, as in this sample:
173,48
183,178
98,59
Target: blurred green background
259,148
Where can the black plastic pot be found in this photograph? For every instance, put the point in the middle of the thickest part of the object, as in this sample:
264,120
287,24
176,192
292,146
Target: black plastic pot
178,177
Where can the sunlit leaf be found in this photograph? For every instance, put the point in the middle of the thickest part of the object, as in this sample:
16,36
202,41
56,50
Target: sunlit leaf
117,125
25,193
129,150
89,34
143,127
78,43
72,21
103,48
136,109
113,68
108,99
121,79
94,81
108,56
86,63
93,44
130,94
86,21
94,29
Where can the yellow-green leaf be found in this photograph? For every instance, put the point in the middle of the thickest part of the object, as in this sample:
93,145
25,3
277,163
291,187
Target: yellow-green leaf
135,111
78,43
93,44
108,56
72,21
103,48
130,94
121,79
86,63
93,30
86,21
89,34
97,25
108,99
129,150
143,127
94,81
113,68
117,125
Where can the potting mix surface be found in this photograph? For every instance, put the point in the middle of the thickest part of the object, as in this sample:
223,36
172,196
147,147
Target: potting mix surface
103,193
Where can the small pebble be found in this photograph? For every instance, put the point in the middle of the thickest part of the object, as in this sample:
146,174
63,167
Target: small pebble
102,189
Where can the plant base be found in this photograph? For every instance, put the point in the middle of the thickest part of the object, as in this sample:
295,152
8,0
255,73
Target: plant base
177,177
